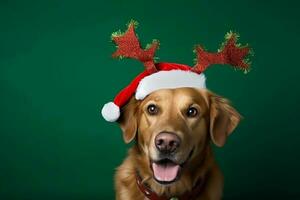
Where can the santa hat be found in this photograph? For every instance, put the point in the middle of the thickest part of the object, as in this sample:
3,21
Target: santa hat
167,75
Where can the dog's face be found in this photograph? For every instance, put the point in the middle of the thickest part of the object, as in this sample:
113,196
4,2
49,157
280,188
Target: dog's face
173,126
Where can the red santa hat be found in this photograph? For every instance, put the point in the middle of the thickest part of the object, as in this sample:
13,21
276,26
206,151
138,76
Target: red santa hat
167,75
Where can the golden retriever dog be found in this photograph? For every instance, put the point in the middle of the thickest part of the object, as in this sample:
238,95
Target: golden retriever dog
172,157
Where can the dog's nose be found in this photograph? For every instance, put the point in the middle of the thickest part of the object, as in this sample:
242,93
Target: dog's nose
167,142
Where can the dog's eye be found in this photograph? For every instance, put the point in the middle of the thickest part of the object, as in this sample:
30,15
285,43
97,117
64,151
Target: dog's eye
192,112
152,109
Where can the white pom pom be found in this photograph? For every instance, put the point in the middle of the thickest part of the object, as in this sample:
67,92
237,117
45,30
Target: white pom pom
110,112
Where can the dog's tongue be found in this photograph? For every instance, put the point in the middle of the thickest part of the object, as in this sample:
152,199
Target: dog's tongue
165,172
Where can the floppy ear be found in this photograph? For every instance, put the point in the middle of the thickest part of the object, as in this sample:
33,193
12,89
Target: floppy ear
128,120
223,119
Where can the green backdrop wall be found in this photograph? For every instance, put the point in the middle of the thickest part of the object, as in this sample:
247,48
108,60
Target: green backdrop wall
56,73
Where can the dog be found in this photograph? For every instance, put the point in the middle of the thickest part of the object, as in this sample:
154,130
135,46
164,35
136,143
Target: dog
174,121
172,158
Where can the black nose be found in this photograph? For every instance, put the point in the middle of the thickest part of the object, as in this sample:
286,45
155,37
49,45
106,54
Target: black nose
167,142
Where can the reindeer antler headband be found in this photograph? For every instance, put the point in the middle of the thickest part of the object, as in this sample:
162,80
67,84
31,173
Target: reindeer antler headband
168,75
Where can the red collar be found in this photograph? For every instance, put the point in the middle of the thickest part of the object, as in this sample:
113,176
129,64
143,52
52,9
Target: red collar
151,195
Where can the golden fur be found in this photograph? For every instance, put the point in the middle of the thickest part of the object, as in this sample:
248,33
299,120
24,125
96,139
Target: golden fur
216,120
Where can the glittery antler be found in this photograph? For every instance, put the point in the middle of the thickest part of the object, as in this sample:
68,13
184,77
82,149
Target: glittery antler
129,46
230,54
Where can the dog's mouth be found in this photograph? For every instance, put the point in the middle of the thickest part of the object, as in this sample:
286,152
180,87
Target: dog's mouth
165,171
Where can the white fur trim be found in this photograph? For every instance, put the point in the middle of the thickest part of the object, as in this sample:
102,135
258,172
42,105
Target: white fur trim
169,80
110,112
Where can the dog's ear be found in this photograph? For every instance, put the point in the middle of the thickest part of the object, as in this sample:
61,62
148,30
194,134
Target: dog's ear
128,120
223,119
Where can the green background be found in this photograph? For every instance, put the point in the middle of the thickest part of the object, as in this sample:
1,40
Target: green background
56,73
